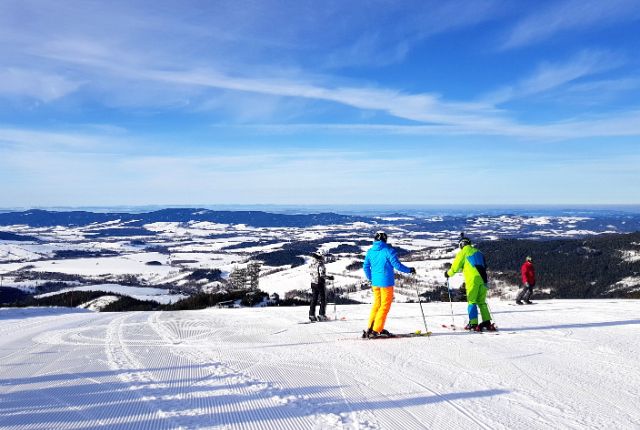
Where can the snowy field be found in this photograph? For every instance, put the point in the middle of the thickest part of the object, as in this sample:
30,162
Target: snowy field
559,364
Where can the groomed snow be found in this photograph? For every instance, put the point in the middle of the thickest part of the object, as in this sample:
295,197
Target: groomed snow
559,364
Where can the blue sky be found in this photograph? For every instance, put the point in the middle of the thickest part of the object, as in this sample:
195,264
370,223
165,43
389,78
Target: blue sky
319,102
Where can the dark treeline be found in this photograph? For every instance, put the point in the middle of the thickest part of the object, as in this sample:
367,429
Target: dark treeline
67,299
126,303
345,248
572,268
79,253
5,235
281,257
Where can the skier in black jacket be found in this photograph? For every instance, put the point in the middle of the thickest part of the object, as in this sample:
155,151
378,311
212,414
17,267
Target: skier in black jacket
319,277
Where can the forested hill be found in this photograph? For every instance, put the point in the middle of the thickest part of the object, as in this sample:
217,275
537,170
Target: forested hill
595,267
44,218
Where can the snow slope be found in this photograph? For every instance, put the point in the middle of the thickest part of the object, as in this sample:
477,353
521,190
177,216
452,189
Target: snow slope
558,364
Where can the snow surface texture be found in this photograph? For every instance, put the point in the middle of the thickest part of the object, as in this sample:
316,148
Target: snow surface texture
559,364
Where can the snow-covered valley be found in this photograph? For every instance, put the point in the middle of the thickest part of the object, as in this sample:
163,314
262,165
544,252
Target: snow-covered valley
188,251
559,364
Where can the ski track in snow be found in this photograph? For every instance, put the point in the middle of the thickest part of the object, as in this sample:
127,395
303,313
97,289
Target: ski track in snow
561,364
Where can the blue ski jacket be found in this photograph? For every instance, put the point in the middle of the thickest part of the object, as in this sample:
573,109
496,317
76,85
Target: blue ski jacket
379,263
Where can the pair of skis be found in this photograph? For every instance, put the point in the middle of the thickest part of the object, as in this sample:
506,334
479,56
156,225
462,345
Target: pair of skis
417,333
322,321
463,330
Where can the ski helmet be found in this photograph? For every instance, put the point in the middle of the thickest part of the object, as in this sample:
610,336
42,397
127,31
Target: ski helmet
529,258
380,236
464,241
318,254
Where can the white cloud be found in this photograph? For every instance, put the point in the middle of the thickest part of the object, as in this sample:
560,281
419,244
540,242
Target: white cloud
606,86
41,86
619,124
431,112
570,15
65,141
552,75
136,61
387,33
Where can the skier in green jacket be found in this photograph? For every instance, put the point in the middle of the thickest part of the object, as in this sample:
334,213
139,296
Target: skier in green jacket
471,262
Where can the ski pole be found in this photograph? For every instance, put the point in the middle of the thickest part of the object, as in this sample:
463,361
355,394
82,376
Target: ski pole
426,329
453,324
335,300
491,313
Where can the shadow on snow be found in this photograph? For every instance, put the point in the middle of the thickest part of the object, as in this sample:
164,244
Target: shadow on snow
190,402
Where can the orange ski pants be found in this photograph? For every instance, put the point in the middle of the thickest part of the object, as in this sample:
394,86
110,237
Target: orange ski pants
382,298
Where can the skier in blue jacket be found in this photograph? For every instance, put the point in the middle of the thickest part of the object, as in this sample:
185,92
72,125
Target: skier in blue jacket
379,263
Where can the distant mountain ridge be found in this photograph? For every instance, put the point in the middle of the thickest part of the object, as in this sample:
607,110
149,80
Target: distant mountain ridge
479,226
45,218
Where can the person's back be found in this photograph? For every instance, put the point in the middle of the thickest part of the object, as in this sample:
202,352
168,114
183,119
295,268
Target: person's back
528,273
471,262
379,263
317,270
473,265
318,273
528,282
378,267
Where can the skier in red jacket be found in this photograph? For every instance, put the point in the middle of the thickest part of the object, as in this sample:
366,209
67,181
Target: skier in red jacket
528,282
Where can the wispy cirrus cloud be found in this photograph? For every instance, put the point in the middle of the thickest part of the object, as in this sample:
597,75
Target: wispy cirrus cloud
389,33
570,15
620,124
138,63
432,114
300,33
553,75
98,138
608,85
421,107
41,86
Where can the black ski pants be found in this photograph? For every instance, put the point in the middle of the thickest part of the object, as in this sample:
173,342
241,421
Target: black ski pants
525,293
318,294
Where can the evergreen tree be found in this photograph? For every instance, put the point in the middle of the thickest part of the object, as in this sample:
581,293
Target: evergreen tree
238,279
253,273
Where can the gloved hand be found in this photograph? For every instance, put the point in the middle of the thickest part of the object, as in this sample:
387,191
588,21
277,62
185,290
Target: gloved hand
446,274
526,285
412,270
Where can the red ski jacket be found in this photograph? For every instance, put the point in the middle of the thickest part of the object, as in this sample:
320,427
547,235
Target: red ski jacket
528,274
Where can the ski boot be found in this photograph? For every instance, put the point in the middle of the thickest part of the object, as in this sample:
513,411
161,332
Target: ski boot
518,302
528,302
313,318
322,318
372,334
488,326
471,327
